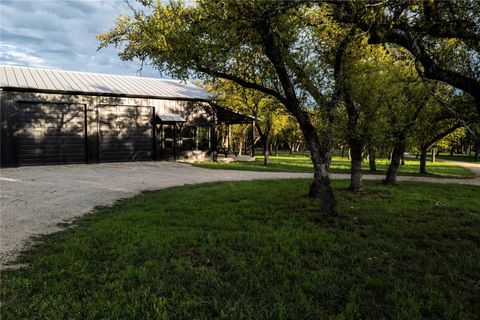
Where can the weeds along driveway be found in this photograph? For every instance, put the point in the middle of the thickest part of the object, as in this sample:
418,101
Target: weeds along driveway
38,200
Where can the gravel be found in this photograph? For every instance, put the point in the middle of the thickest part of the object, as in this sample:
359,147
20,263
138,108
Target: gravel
41,200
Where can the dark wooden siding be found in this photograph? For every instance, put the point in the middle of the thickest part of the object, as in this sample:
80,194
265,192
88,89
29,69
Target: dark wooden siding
49,133
125,133
33,129
7,142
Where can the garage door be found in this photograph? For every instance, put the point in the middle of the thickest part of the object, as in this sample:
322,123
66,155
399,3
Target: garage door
125,133
49,133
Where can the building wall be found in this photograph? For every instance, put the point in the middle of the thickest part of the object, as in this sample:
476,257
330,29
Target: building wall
195,113
7,146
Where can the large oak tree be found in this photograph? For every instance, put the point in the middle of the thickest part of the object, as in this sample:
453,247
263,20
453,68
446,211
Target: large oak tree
268,46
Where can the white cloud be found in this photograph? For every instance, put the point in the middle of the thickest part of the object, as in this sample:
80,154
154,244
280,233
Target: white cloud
61,34
10,54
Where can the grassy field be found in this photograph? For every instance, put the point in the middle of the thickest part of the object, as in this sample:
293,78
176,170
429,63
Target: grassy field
254,250
458,157
302,163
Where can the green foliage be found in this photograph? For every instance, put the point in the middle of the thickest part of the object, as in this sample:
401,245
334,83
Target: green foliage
253,250
181,39
448,110
451,139
443,35
271,119
228,40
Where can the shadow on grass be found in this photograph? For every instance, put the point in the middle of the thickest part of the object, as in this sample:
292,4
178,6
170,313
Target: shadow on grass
254,250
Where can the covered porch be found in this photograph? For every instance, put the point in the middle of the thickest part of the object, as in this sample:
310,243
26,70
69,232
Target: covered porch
222,148
202,138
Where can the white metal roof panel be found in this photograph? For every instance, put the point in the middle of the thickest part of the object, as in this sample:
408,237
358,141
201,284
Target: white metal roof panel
20,78
39,79
171,117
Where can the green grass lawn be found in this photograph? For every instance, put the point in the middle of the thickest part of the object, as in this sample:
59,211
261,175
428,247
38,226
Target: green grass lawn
458,157
254,250
302,163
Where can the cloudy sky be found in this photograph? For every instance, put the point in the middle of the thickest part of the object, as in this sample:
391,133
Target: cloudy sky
61,34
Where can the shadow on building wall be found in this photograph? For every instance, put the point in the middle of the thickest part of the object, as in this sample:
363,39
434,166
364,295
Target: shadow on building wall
57,129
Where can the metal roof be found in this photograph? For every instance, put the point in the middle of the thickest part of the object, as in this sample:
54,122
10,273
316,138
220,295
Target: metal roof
170,117
48,80
227,116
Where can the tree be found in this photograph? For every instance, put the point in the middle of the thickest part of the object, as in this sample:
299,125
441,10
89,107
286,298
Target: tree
362,88
403,112
268,46
382,97
385,97
440,121
442,36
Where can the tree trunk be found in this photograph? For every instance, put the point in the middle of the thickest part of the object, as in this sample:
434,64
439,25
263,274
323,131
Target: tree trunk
423,159
319,151
266,152
371,160
394,166
319,154
433,155
321,189
240,146
403,159
356,184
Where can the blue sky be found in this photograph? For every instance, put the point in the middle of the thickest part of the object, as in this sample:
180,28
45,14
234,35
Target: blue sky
61,35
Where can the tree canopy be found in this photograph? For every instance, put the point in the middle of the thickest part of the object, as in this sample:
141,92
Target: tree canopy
380,67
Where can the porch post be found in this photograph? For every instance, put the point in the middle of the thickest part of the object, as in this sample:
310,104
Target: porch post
154,138
196,137
229,137
162,143
213,138
174,142
180,136
245,144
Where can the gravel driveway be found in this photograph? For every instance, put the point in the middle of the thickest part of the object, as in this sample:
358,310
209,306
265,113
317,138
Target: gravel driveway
36,200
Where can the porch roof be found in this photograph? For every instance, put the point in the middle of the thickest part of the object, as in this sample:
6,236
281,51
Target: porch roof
167,118
227,116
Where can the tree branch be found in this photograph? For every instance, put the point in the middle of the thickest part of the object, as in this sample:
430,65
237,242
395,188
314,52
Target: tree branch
432,69
443,135
305,80
244,83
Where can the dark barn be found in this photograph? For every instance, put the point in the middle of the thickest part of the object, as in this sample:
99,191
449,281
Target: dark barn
64,117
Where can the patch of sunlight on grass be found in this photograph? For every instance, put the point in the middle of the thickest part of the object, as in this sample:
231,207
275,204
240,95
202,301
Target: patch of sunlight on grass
302,163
